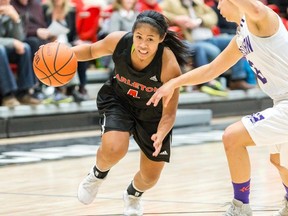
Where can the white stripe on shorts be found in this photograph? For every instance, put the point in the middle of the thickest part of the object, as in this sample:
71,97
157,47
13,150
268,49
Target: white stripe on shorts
103,124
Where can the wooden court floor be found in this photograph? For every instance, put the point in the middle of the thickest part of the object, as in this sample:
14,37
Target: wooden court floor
195,182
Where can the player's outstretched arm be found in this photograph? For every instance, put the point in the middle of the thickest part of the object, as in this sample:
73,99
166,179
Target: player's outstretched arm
199,75
104,47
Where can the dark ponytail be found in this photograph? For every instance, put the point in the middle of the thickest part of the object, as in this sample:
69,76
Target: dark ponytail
171,40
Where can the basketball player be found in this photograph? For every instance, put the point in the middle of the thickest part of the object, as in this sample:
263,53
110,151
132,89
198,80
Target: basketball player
144,59
263,40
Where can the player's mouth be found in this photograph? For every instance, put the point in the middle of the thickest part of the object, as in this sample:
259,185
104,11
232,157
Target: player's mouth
143,53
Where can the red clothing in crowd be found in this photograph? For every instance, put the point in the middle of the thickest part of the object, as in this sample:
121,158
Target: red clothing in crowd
143,5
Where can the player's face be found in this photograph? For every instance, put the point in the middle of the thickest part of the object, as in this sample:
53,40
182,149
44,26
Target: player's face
146,39
228,10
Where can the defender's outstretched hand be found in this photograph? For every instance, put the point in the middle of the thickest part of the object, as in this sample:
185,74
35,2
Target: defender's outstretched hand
165,91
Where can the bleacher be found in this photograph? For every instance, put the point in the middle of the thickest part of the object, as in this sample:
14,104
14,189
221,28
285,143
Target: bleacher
195,109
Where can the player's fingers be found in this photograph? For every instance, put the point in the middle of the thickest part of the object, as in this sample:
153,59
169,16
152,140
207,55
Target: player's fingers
149,101
157,147
156,152
157,99
153,138
154,99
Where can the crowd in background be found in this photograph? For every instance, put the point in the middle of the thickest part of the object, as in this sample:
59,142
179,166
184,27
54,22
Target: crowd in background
25,25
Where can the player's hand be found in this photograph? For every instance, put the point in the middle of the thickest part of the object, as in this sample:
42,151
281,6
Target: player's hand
165,91
157,144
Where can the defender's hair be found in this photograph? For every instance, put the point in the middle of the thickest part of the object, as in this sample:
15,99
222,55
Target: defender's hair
171,40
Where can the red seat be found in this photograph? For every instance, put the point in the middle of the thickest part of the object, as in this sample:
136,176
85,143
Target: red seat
177,30
14,67
87,23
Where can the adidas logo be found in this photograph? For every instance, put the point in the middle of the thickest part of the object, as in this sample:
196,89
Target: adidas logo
163,153
154,78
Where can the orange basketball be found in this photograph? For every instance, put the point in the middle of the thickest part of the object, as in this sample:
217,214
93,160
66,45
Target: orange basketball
55,64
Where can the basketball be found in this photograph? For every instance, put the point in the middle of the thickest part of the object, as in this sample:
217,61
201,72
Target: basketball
55,64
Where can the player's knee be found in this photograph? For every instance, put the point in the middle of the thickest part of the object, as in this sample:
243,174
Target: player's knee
229,139
150,180
113,151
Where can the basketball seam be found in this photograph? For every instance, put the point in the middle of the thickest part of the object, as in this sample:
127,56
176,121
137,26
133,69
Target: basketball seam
47,76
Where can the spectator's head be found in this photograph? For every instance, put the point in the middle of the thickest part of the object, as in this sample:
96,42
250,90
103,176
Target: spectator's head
64,4
124,4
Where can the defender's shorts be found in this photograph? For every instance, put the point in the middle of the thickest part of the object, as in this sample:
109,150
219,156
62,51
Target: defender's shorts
270,127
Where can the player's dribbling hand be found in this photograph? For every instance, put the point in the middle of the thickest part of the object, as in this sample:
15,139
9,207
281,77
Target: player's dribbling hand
165,91
157,144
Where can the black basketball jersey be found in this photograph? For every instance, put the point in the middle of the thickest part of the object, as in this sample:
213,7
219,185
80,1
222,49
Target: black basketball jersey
136,87
122,99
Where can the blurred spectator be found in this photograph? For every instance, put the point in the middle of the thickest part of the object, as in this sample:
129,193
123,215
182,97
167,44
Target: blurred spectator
225,27
210,3
88,14
13,50
196,20
143,5
282,6
122,18
282,15
35,29
62,12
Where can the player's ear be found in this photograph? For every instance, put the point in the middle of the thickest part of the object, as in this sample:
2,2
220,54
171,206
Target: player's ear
163,38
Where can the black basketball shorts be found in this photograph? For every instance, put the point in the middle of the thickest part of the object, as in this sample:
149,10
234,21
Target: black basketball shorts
141,123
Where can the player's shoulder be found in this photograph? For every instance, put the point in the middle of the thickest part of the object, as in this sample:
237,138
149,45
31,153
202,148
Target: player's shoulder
168,54
115,36
170,66
111,40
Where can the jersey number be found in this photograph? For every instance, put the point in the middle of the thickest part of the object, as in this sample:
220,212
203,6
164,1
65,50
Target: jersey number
258,73
133,93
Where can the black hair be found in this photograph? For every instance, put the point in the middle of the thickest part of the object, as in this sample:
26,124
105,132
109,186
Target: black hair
171,40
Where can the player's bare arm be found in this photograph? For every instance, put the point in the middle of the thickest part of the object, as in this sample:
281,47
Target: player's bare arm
262,21
170,69
219,65
98,49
